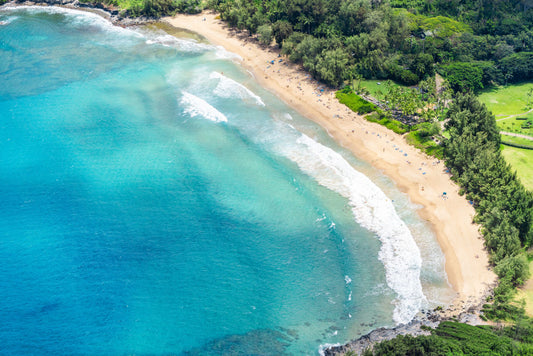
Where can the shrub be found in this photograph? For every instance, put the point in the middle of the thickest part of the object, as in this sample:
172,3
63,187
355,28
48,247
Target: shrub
516,268
265,34
463,76
354,101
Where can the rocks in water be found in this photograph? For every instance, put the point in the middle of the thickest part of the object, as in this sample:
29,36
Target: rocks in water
469,314
116,16
381,334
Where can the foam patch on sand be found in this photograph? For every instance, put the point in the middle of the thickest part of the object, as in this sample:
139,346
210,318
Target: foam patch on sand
228,88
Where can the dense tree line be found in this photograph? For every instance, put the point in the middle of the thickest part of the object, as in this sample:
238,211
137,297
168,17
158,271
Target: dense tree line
504,208
335,40
482,41
150,8
503,205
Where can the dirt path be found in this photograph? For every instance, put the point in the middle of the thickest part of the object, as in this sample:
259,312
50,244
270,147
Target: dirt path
515,115
516,135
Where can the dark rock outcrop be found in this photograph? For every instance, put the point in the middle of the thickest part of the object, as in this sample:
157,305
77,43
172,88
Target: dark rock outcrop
116,16
468,313
358,346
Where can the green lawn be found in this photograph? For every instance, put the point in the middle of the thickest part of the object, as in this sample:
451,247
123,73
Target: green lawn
512,100
508,100
513,124
522,161
374,88
517,140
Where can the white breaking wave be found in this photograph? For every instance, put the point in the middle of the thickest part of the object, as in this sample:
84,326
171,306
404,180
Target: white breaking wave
184,45
90,19
8,20
195,106
324,347
228,88
222,53
76,17
374,211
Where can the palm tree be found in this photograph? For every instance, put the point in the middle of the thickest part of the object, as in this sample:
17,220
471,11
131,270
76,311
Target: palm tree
529,96
357,77
379,93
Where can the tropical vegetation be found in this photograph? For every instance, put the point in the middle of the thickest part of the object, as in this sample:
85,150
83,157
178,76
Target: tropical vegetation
452,338
473,45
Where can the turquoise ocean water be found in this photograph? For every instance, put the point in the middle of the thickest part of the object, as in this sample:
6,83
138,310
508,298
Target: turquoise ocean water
150,204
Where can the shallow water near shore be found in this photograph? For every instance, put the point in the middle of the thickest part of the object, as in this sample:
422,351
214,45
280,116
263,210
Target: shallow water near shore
155,200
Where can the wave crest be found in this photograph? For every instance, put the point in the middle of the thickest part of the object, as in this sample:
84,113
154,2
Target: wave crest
228,88
76,17
374,211
195,106
183,45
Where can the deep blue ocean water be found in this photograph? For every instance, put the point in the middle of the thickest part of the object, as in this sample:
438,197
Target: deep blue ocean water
155,200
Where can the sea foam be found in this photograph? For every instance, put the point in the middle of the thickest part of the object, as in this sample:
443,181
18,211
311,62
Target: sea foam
8,20
195,106
75,17
228,88
184,45
374,211
222,53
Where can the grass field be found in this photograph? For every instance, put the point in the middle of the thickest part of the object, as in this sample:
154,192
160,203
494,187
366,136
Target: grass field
374,87
513,124
355,102
517,140
508,100
522,161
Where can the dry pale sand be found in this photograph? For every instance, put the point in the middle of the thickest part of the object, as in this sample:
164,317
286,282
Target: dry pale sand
423,178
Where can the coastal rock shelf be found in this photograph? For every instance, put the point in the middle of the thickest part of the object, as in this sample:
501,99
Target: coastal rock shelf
464,313
112,14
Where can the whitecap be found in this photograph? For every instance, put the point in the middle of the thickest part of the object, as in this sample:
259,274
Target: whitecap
77,17
322,218
182,44
347,279
195,106
222,53
8,20
228,88
322,348
374,211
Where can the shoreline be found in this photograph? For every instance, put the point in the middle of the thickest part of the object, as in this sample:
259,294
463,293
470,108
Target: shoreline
422,178
109,13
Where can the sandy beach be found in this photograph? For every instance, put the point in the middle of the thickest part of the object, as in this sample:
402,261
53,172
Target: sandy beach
423,178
